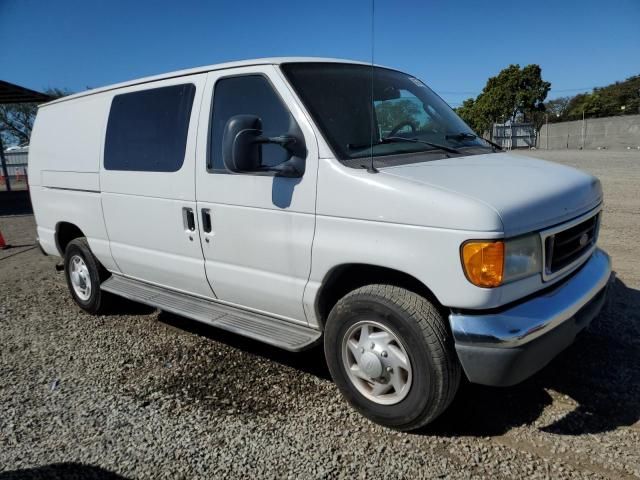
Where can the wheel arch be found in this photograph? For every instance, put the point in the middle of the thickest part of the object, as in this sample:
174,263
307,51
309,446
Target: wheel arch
345,278
65,233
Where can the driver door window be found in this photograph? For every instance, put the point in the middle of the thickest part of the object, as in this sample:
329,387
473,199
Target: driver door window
251,95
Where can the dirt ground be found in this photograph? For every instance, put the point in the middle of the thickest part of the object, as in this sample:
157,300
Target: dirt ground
144,394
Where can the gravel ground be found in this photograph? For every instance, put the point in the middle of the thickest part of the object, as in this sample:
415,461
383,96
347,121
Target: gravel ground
144,394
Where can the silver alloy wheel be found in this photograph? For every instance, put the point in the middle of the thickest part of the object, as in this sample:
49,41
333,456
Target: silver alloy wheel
376,362
80,278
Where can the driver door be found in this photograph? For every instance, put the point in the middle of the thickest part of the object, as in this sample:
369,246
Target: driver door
256,228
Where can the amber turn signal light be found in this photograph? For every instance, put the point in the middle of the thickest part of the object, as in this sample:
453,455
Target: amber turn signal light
483,262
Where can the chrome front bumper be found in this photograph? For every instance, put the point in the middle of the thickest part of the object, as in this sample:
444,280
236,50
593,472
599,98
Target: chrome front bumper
506,347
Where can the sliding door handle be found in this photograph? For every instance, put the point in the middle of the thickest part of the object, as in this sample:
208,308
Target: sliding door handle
206,220
188,219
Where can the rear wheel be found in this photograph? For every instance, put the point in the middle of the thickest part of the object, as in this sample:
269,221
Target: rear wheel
391,355
84,274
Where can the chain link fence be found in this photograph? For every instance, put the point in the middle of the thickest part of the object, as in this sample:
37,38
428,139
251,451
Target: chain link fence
15,175
514,135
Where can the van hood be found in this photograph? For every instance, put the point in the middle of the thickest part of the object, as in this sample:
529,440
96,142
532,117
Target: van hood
528,194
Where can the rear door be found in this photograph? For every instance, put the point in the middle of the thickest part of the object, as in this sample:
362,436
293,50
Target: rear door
148,185
258,229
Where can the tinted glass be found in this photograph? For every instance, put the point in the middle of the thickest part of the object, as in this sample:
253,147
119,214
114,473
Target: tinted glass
355,105
252,95
403,115
147,130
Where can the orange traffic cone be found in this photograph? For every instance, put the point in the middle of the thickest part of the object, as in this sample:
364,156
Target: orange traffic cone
3,244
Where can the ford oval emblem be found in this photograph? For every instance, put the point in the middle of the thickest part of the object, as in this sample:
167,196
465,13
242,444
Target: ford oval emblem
584,239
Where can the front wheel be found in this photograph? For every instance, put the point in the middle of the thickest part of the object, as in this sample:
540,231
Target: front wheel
390,354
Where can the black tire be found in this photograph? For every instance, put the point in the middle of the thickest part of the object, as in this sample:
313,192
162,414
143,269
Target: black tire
97,300
422,330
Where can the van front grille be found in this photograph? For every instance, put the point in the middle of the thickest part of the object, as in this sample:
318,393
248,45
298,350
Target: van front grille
567,246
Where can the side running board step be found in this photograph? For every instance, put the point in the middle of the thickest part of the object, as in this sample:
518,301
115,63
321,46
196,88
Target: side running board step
273,331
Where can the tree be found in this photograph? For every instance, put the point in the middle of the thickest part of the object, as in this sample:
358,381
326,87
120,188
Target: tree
607,101
513,92
468,113
16,120
557,108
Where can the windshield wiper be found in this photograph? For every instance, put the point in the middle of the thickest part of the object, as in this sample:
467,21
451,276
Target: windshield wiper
471,136
416,140
461,136
385,140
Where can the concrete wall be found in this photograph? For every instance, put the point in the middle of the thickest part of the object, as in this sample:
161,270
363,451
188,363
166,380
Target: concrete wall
616,133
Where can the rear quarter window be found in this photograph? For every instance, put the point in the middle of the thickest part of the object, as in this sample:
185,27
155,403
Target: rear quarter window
147,130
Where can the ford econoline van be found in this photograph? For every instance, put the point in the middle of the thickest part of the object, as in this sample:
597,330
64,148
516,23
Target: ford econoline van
297,201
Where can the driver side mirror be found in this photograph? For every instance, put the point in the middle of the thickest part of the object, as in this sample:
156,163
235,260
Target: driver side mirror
242,142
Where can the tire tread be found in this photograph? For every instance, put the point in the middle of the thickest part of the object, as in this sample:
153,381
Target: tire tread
432,325
100,302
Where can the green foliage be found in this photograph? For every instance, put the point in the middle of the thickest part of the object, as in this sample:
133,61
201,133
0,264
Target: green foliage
467,112
602,102
16,120
513,92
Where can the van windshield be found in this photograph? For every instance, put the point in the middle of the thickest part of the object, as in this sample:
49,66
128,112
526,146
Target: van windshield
403,116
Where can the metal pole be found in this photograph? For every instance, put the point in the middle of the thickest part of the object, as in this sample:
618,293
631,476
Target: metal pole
511,136
5,172
583,130
546,118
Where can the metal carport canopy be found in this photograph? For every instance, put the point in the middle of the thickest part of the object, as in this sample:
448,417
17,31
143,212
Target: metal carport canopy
11,94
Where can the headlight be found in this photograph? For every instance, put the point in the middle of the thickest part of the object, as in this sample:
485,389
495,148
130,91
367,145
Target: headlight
492,263
523,258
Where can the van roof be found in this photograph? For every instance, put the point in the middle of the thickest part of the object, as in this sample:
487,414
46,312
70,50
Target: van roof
207,68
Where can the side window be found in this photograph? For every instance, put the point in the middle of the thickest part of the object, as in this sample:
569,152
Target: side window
147,130
253,95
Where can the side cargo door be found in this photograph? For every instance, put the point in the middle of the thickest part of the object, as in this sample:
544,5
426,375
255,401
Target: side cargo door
257,229
148,185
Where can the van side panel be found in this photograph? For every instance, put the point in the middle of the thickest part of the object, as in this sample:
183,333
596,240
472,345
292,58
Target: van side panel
82,181
64,178
83,209
144,211
67,137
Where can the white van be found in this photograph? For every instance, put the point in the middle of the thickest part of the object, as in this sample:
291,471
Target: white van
297,200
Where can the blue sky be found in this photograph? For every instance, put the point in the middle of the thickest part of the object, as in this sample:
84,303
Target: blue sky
454,46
